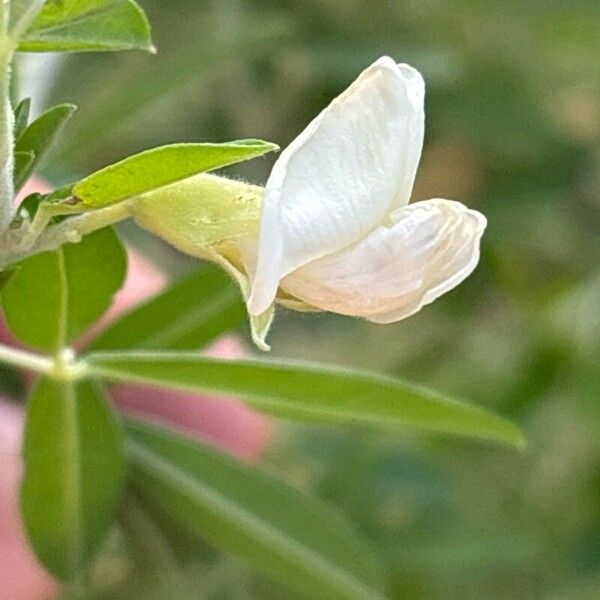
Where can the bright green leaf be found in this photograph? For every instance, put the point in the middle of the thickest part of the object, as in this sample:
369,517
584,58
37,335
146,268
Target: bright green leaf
188,315
95,270
290,537
39,137
304,391
74,474
88,25
21,117
55,296
161,166
34,304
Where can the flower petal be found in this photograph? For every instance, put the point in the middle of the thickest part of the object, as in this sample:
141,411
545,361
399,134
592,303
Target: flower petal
342,175
427,249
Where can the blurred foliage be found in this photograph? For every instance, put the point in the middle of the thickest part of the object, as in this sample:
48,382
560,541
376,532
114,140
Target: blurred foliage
513,129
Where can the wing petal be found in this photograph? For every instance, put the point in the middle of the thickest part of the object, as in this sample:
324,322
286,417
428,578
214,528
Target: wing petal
427,249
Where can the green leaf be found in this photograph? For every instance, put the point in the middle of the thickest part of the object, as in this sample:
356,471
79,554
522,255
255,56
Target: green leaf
88,25
151,548
24,165
39,137
161,166
29,205
5,276
21,117
305,391
55,296
291,537
188,315
74,474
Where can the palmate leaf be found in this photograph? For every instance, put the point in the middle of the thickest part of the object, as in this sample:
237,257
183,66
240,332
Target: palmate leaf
54,296
290,537
74,474
159,167
188,315
299,391
88,25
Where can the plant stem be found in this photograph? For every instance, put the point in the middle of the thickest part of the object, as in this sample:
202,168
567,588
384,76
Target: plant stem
25,360
6,122
10,35
64,366
71,231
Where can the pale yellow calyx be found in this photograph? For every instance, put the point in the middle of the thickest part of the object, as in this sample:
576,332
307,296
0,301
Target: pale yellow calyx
200,212
207,216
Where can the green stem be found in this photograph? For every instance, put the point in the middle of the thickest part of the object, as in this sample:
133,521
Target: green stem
70,231
64,366
10,34
25,360
7,122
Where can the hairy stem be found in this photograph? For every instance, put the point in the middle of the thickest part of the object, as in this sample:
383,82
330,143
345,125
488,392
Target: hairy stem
70,231
6,122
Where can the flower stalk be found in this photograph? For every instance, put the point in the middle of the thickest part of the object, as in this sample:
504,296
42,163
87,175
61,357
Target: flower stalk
69,231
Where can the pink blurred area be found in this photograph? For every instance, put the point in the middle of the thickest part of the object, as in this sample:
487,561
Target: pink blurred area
225,423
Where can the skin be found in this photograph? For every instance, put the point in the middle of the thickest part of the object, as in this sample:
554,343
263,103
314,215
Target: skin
225,423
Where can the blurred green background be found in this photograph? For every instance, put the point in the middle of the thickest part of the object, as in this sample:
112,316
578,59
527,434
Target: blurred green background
513,129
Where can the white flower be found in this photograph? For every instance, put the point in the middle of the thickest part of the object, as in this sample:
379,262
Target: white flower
336,230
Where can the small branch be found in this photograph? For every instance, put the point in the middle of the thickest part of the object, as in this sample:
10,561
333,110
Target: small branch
30,232
69,231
